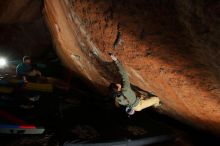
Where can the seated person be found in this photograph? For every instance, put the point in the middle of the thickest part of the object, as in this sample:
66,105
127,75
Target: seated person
25,69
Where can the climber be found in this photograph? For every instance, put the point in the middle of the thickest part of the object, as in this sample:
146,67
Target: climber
125,96
26,69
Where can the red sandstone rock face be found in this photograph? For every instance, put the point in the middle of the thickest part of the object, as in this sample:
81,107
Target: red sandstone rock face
169,48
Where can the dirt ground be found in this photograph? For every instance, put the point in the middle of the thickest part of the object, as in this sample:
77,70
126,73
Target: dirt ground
76,115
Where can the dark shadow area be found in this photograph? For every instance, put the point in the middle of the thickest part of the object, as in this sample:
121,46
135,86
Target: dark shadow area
17,40
78,116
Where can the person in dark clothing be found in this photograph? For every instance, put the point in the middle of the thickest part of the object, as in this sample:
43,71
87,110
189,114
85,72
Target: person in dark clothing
26,69
125,96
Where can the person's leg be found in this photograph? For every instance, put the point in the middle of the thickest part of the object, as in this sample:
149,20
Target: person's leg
34,76
34,73
145,103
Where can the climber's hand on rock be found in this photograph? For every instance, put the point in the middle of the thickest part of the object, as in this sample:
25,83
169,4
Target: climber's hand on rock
114,58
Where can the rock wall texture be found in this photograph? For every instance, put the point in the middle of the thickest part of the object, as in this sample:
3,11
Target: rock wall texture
169,48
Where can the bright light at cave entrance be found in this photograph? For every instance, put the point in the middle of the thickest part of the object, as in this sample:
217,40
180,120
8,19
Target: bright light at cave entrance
3,62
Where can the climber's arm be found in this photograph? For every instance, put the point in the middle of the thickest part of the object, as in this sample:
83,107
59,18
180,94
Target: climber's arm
123,73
